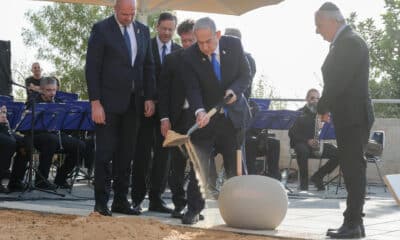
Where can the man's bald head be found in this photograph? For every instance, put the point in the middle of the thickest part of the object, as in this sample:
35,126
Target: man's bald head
125,11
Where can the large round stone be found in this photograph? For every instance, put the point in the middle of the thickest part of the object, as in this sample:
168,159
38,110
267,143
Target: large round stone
253,202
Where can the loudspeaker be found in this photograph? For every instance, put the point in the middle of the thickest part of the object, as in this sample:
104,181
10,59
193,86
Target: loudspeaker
5,68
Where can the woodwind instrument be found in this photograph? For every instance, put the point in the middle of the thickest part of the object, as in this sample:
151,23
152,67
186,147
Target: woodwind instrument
317,147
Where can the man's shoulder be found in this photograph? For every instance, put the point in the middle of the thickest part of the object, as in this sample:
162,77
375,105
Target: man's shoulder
228,40
140,25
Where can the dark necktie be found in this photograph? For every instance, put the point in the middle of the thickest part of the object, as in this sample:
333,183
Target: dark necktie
216,66
128,43
163,53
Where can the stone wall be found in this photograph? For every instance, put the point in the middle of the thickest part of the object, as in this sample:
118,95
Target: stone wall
391,154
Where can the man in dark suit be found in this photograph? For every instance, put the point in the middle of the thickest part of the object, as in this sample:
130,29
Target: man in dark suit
174,112
346,95
215,68
147,168
119,72
234,32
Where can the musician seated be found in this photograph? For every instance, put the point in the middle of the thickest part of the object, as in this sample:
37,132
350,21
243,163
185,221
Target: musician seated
7,147
260,143
305,143
48,143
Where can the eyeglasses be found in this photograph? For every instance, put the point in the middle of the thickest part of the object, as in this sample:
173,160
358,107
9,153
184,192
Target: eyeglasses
314,98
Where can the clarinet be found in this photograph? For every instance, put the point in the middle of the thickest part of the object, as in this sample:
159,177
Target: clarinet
317,148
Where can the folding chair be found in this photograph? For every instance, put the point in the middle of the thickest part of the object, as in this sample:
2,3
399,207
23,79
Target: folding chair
374,151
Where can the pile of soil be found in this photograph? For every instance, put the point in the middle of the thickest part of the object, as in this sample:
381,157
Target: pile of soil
27,225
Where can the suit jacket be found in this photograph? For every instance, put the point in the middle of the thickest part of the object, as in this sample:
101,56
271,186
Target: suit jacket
202,86
346,73
156,55
303,128
253,70
171,88
109,72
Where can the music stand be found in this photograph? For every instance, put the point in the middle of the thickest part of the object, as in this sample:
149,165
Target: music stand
73,121
31,121
277,120
14,112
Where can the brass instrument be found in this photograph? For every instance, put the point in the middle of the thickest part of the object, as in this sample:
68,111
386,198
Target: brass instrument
317,147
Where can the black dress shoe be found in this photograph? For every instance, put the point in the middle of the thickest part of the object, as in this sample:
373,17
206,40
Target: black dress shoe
177,212
124,207
63,185
159,208
341,228
45,185
102,209
318,182
3,189
16,186
190,218
346,232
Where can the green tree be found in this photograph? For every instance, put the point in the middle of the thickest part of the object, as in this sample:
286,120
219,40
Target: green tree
59,33
385,56
263,89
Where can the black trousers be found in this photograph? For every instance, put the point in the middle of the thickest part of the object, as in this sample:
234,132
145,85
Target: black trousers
304,152
221,134
115,141
270,149
7,149
178,161
150,172
48,143
20,159
351,144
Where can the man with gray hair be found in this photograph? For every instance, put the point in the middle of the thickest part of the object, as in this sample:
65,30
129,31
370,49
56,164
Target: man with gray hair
234,32
346,96
215,68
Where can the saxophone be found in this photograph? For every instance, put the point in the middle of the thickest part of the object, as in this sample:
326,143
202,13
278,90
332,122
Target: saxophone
317,147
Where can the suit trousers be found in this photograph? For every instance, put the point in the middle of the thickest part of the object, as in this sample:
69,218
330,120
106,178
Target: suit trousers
115,141
7,149
178,161
220,134
150,171
351,144
304,152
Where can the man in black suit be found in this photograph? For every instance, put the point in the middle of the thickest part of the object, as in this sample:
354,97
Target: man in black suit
147,168
119,73
302,140
174,112
215,68
234,32
346,95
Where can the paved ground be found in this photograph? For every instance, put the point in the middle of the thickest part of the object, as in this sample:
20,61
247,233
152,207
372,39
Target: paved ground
309,215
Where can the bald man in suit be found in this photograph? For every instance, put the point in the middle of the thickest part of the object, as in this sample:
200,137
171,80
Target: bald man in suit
119,73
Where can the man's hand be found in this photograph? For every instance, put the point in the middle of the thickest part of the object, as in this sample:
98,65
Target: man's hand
202,119
312,143
233,98
325,117
33,87
98,115
3,114
165,126
149,108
